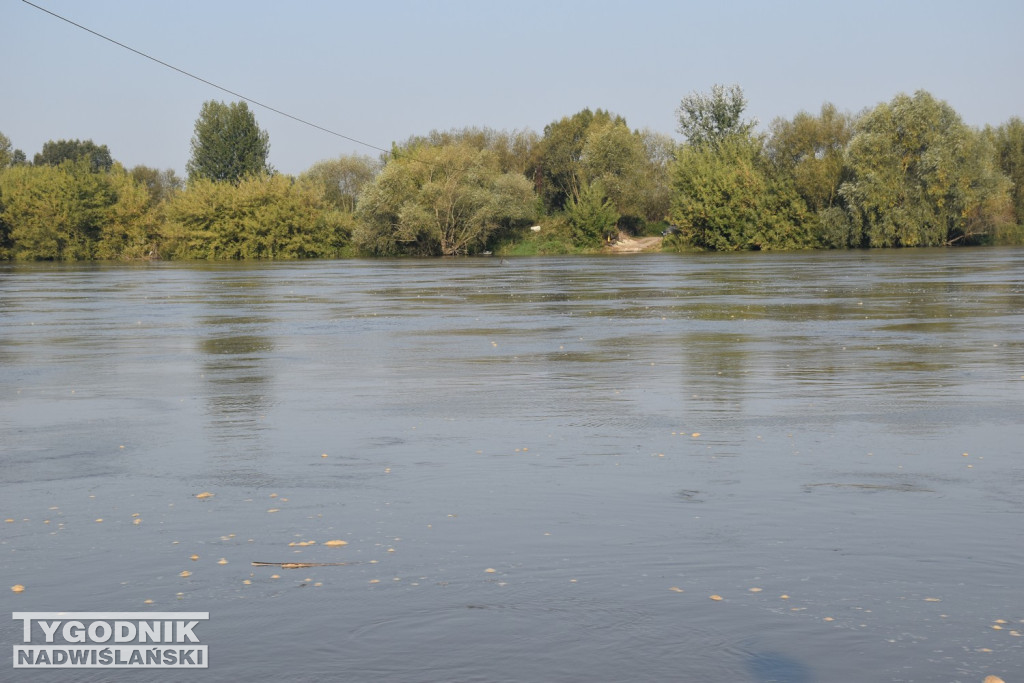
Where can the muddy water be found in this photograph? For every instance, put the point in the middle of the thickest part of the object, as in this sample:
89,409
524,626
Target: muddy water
543,469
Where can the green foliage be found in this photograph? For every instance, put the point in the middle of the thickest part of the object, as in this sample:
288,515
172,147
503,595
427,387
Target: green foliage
725,200
597,147
342,179
68,212
711,118
920,177
810,150
554,238
128,226
906,173
514,151
6,152
160,185
1009,146
557,169
54,153
259,217
227,144
592,218
441,200
655,195
615,158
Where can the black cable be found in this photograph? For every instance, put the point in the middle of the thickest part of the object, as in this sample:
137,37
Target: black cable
210,83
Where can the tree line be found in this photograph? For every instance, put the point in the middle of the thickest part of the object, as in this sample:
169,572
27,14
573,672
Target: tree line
908,172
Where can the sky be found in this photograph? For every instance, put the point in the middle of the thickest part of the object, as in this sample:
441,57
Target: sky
380,71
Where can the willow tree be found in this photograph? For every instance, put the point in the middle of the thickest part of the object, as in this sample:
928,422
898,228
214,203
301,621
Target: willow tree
227,144
343,178
440,200
919,176
710,118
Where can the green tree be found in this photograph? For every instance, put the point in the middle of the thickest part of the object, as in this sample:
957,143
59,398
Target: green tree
592,217
514,150
557,168
67,212
128,227
631,167
1009,144
6,152
710,118
53,212
55,153
726,200
260,217
810,149
441,200
227,144
342,179
160,185
656,198
615,159
919,176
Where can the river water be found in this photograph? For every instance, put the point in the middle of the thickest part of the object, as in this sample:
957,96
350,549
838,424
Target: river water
543,469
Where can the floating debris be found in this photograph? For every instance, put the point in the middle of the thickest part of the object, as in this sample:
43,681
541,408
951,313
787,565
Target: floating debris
993,679
933,599
717,598
222,561
675,589
274,510
755,590
490,570
337,543
204,495
18,588
299,565
185,573
193,557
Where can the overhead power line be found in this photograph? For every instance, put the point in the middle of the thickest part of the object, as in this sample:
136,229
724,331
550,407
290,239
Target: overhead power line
207,82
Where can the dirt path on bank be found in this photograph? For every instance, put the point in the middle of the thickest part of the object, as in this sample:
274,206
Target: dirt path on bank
633,245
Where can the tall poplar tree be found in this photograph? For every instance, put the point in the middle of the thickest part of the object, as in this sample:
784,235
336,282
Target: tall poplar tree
227,144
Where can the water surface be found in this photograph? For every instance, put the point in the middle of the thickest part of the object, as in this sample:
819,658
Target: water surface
618,439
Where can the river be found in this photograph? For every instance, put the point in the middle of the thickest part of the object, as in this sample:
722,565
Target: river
740,467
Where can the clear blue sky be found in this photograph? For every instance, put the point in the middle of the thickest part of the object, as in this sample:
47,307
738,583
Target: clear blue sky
382,70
